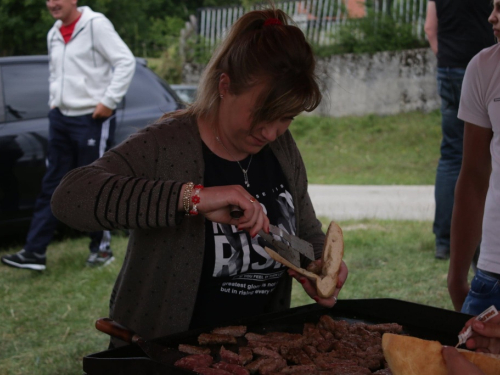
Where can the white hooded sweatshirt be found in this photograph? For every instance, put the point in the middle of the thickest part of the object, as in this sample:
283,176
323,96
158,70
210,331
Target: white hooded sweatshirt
95,66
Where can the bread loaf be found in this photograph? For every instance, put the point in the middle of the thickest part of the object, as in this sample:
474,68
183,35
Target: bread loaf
408,355
333,251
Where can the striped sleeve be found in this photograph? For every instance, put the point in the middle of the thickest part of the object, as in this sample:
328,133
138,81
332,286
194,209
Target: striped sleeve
120,190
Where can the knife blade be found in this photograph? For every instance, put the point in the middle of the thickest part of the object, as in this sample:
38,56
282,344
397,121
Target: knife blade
153,350
287,245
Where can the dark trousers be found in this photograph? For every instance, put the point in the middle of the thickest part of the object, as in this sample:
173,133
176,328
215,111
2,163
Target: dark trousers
73,142
450,162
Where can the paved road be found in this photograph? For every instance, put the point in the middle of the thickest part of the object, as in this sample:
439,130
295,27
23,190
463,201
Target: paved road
344,202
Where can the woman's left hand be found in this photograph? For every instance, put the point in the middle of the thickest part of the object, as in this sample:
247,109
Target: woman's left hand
310,286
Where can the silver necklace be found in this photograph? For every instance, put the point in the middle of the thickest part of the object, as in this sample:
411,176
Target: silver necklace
245,171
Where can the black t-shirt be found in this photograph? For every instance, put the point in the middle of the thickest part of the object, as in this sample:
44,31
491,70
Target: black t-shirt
463,30
238,277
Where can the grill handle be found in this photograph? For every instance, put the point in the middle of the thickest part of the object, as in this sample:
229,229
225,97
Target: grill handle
116,330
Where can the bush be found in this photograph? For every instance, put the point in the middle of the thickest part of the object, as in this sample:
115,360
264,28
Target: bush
170,64
189,48
374,33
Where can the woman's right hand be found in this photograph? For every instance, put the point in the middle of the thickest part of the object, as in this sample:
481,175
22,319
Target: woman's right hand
216,202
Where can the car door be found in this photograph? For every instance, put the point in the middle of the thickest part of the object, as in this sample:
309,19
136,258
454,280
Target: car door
23,137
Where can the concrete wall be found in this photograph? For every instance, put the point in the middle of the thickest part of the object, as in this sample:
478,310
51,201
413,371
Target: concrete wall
383,83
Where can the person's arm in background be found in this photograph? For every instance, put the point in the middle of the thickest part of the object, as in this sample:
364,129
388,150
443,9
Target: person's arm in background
470,196
52,72
457,364
109,44
485,335
485,338
431,26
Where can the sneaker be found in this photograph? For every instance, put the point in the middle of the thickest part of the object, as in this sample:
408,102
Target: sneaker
25,259
101,258
442,253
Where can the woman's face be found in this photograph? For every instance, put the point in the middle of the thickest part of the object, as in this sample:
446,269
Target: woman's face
235,120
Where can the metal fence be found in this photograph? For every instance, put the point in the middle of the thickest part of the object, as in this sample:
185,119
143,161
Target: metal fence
318,19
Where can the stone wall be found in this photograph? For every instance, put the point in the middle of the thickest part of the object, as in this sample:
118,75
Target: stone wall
383,83
360,84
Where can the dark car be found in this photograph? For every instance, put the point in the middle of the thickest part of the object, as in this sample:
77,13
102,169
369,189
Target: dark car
24,96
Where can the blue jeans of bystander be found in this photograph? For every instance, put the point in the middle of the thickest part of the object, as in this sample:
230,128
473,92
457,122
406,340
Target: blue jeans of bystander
484,292
449,87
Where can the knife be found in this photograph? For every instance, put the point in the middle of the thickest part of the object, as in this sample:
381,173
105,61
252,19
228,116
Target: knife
154,351
287,245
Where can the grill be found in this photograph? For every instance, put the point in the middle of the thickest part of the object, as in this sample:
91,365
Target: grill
418,320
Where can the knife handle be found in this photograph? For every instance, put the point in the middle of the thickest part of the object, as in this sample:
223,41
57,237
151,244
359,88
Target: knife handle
235,211
115,329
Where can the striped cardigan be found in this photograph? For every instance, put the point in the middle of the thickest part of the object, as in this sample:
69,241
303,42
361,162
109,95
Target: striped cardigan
136,186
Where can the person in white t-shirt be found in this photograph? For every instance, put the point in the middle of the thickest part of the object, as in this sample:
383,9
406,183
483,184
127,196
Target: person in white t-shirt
476,214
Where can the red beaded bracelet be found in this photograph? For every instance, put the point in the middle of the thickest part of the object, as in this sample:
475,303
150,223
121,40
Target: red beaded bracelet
195,198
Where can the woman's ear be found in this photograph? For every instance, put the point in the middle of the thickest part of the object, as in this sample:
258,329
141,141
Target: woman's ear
224,83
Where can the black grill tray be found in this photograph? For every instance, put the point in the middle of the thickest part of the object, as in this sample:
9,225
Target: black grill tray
418,320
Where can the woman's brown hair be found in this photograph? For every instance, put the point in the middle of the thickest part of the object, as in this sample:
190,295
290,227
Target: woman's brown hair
255,51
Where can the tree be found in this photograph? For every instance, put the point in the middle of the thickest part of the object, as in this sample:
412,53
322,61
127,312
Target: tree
23,27
145,26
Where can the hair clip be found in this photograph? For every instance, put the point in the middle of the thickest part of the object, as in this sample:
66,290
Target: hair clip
272,21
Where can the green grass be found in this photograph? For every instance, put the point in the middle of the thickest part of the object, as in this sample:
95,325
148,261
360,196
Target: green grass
401,149
46,318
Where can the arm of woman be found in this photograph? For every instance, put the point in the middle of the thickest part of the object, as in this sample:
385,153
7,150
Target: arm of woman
140,184
310,230
470,195
122,189
215,204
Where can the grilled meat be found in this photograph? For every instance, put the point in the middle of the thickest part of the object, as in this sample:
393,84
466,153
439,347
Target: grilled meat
330,347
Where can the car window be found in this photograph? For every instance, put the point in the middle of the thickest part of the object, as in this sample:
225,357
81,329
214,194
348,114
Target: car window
143,93
186,93
26,91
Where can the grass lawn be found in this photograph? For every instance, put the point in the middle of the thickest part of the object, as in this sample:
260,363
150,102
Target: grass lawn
401,149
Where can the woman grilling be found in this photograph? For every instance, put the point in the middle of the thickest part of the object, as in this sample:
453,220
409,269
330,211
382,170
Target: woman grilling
189,263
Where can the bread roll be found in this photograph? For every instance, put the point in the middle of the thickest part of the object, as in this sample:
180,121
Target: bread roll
408,355
333,251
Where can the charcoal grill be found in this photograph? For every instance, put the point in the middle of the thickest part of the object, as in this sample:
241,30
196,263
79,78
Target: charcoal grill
418,320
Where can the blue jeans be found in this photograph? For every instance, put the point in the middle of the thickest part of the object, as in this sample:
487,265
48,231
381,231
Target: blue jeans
484,292
449,87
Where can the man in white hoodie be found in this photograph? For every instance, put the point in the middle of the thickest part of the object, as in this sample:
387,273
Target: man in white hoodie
90,71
